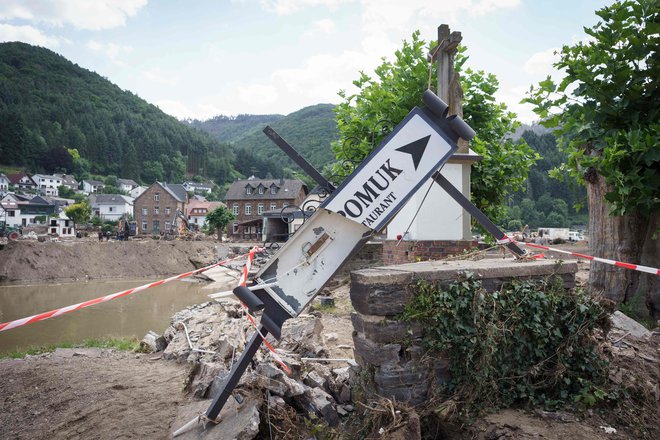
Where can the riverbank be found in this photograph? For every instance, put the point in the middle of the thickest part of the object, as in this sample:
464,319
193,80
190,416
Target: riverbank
30,261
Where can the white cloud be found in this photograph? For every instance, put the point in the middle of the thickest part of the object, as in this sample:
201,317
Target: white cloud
82,14
111,50
258,95
512,97
158,76
182,111
325,26
27,34
287,7
540,63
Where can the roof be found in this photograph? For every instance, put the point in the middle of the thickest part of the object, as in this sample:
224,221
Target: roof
16,177
287,189
127,182
176,190
198,185
47,176
4,175
111,199
68,178
94,182
196,204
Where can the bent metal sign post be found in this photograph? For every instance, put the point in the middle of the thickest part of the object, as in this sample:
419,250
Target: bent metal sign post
385,181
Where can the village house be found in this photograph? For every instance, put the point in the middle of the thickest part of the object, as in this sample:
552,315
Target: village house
197,211
155,209
59,202
197,187
61,225
126,185
4,182
250,199
111,207
91,186
47,184
22,181
29,212
10,213
135,192
69,181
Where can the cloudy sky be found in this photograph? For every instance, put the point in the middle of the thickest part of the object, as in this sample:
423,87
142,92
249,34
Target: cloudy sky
201,58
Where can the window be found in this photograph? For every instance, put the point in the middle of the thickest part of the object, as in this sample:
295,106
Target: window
145,211
156,197
234,228
156,210
260,208
234,208
248,190
273,189
167,211
156,228
167,226
284,205
11,213
273,206
261,189
248,209
110,208
144,226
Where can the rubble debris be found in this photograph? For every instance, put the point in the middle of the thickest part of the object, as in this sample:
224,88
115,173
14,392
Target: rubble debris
152,342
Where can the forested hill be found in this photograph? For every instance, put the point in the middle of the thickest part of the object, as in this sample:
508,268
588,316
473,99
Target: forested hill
310,130
48,103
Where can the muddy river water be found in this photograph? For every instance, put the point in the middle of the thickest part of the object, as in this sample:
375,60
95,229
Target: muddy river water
129,316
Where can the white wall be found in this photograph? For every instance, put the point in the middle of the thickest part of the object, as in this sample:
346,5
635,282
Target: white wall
440,216
117,211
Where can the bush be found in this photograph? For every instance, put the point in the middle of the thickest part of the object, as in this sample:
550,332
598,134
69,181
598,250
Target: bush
529,342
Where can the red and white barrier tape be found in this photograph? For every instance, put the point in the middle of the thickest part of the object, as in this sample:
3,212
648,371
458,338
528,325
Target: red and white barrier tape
640,268
57,312
242,282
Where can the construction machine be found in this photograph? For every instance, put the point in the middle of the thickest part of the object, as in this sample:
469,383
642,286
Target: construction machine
180,228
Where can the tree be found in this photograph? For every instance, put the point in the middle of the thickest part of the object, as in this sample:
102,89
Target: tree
65,192
78,212
366,117
218,219
605,110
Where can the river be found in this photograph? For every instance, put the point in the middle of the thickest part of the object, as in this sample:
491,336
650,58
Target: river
129,316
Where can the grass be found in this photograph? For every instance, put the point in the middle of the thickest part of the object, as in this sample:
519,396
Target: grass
122,344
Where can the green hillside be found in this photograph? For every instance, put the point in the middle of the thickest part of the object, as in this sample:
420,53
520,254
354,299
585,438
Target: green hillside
310,130
48,104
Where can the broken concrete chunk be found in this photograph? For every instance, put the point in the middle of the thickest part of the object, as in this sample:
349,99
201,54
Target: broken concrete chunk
321,403
625,324
153,342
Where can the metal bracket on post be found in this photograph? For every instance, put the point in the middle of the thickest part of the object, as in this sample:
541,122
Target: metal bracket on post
475,212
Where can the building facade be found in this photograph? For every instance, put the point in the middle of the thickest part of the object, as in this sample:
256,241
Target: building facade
47,184
155,209
250,199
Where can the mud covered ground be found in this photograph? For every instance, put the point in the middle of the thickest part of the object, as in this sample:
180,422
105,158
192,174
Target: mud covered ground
104,394
28,261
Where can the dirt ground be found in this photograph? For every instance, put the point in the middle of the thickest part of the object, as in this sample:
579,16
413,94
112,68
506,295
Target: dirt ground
26,260
89,393
92,393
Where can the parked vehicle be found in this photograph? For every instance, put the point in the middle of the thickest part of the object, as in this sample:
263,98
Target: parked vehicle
575,236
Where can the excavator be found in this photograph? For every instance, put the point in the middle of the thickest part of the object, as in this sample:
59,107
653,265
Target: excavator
180,229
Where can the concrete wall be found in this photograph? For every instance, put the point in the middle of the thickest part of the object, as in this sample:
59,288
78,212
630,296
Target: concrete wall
388,350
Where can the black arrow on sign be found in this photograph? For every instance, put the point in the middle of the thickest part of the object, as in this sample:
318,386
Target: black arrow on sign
416,149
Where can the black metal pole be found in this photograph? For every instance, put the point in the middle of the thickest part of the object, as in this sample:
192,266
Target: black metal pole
297,158
235,374
474,211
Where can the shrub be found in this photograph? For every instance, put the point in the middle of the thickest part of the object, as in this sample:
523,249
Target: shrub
529,342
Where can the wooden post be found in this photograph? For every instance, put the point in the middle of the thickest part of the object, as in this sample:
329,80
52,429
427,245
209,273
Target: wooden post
449,85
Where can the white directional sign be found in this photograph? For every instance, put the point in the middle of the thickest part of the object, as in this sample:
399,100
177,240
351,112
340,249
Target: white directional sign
393,172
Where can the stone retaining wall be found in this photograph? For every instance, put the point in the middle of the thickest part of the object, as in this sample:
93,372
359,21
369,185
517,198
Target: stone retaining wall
389,350
423,250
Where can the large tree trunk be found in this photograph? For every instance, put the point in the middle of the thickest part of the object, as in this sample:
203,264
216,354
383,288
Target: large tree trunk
631,239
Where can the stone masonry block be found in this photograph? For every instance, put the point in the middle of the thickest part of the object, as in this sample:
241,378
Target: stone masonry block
370,353
382,330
